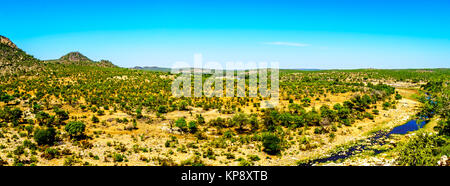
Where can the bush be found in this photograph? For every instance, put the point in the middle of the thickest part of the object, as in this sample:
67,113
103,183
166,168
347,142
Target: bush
70,161
229,155
271,144
423,150
11,115
244,162
19,150
45,136
95,119
182,105
62,115
50,153
386,105
75,128
368,115
228,134
320,130
254,157
172,142
100,112
181,123
162,109
346,122
443,128
192,127
200,119
30,145
239,120
209,154
44,118
193,161
119,157
139,113
29,129
375,111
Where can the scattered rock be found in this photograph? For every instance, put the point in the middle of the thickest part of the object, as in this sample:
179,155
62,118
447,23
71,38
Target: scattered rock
444,161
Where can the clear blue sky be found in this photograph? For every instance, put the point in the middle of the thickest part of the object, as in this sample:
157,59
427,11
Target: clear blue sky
298,34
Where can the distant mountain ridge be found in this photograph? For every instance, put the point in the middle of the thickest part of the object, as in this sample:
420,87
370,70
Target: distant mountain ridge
164,69
306,69
152,68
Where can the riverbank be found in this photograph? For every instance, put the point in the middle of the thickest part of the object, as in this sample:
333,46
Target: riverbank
389,156
368,133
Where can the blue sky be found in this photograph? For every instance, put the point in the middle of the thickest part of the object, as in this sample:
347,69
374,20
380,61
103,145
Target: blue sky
298,34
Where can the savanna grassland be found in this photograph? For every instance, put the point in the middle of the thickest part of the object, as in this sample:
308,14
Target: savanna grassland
75,111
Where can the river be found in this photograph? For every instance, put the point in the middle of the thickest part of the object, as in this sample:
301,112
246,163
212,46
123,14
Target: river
378,138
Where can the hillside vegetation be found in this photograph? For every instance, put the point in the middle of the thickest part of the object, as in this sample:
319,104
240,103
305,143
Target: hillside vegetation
75,111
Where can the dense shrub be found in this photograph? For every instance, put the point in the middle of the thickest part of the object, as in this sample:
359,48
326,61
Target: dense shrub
181,123
45,136
62,114
443,127
44,118
95,119
423,150
271,144
50,153
11,115
192,127
193,161
398,97
162,109
119,157
200,119
75,128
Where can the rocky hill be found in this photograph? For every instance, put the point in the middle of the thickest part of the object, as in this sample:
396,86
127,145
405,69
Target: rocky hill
105,63
4,40
75,57
80,59
14,60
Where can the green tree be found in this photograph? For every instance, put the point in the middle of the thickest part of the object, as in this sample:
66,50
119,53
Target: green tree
443,127
45,136
95,119
182,105
254,123
181,123
44,118
192,127
271,144
138,113
162,109
9,115
398,97
200,119
61,114
75,128
239,120
306,102
422,150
